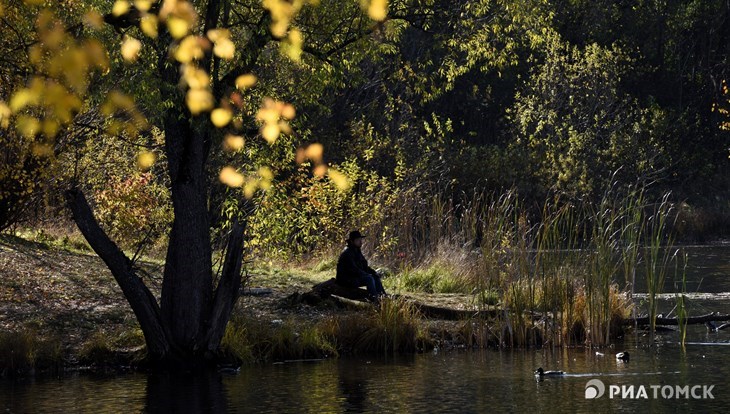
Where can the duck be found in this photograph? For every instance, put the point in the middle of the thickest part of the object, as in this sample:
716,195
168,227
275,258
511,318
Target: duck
542,373
623,356
713,327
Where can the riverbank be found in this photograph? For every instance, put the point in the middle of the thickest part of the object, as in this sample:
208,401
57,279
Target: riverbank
60,308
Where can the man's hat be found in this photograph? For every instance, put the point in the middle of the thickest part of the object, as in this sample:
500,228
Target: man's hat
355,235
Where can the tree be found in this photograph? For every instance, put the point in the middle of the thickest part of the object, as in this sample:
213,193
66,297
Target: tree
579,127
200,93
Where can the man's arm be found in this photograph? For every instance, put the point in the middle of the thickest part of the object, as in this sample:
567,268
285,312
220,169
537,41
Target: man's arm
348,266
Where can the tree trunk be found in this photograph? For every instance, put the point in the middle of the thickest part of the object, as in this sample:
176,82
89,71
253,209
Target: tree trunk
228,289
187,284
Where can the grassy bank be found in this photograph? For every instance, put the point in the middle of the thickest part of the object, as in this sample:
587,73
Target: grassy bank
562,278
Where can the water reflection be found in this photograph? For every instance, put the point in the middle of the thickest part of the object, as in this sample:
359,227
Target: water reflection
708,271
353,384
455,382
167,393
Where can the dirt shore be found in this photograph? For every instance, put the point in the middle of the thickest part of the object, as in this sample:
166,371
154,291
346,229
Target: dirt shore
71,296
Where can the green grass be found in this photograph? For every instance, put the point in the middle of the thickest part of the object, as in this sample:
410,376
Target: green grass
435,278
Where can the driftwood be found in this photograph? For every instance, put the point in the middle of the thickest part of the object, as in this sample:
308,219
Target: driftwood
692,320
255,291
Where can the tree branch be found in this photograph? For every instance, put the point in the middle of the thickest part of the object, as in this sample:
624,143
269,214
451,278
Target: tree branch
139,297
228,288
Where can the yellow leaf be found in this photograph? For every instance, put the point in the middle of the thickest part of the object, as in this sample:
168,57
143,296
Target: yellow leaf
121,100
288,111
233,143
178,27
270,132
96,54
245,81
278,28
320,170
221,117
145,160
148,24
94,20
168,6
224,49
131,48
120,7
42,150
314,152
293,46
23,98
265,173
250,188
27,126
35,54
50,127
195,78
340,179
285,128
218,34
188,49
143,5
268,115
378,10
4,115
230,177
199,100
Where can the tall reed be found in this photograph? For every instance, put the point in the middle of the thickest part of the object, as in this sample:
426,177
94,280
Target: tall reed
659,254
632,233
568,269
682,305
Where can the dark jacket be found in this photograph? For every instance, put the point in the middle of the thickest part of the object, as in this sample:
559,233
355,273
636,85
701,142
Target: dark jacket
351,266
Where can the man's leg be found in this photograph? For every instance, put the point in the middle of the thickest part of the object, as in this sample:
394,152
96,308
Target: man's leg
378,285
369,282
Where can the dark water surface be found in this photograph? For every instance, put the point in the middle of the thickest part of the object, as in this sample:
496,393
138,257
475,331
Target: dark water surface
708,270
442,382
489,381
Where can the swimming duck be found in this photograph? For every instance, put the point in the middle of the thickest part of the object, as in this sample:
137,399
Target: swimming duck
713,327
542,373
623,356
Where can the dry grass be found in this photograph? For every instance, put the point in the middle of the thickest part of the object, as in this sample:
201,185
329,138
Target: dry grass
49,292
58,293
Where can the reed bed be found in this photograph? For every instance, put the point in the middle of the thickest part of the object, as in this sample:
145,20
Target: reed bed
567,269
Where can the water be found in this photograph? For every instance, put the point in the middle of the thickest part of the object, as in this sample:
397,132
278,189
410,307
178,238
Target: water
488,381
463,382
708,270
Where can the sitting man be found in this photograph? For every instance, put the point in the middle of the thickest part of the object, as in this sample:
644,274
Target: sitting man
353,270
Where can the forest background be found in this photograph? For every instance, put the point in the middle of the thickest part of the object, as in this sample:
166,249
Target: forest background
438,111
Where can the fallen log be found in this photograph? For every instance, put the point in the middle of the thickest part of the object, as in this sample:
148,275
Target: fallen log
439,312
358,298
347,295
324,290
